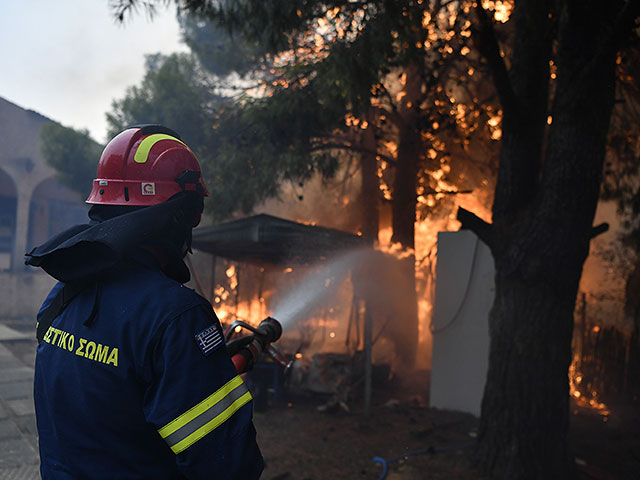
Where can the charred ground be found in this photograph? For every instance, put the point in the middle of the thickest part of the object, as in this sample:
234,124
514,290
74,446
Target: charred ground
301,443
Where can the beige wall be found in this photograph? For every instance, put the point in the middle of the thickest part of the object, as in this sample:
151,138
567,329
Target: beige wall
22,161
24,175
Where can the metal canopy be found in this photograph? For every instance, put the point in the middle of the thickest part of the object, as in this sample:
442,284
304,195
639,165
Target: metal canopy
267,239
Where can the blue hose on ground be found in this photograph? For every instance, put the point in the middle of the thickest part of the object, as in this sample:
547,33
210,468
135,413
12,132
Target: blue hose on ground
430,450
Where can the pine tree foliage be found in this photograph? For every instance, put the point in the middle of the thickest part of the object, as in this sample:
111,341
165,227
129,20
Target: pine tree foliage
73,154
387,65
175,91
394,67
221,52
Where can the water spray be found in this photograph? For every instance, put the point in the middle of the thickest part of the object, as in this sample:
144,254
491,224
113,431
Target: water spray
313,290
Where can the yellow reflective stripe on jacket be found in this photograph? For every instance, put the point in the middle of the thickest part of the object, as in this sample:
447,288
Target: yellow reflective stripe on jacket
206,416
142,154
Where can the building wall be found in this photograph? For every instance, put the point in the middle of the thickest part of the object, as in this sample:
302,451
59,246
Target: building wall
33,206
8,202
21,294
464,295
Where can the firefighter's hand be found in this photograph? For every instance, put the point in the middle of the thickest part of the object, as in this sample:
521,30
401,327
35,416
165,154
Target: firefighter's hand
234,346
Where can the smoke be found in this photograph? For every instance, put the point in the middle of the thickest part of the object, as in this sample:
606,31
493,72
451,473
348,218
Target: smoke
321,307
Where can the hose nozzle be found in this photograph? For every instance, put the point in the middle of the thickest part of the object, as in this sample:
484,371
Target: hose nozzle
269,329
251,350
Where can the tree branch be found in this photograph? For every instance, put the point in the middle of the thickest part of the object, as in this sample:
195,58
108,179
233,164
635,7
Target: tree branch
353,148
487,44
123,8
470,221
432,191
599,229
394,114
614,33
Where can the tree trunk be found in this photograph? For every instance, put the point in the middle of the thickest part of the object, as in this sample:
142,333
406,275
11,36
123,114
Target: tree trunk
410,148
370,189
403,205
403,210
539,246
523,432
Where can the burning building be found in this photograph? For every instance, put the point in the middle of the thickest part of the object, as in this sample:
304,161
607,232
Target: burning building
326,286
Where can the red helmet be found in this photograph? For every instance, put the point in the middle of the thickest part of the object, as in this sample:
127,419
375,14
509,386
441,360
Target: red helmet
145,165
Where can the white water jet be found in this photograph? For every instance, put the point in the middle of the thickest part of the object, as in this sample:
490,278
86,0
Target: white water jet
314,288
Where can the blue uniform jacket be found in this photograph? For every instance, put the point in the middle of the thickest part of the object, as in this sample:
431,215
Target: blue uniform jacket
145,390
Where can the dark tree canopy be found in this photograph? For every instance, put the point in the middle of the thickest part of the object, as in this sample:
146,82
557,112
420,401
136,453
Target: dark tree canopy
73,154
220,52
174,92
375,69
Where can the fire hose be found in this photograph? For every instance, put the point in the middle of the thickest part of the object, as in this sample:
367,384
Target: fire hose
246,351
424,451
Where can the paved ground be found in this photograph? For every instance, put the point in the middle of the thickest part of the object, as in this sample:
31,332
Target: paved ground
18,442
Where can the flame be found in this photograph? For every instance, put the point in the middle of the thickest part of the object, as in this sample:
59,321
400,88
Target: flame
426,20
502,10
585,399
232,275
495,122
351,121
252,312
384,188
337,24
391,147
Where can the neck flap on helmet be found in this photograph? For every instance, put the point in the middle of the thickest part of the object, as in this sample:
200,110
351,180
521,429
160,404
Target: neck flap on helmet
83,251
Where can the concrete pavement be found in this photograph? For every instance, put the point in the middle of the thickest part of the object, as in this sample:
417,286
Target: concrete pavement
18,441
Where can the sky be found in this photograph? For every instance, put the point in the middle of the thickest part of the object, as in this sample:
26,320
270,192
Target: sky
69,59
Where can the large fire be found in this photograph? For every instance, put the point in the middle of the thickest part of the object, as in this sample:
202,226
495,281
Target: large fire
327,326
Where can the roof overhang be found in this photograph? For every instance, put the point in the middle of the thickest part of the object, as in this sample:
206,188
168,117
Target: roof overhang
265,239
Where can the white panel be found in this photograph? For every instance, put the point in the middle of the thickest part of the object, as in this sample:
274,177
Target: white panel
464,296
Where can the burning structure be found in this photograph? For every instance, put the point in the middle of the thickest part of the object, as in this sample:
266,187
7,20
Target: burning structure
264,265
326,286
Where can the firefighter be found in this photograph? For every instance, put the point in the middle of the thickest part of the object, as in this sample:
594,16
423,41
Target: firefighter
132,378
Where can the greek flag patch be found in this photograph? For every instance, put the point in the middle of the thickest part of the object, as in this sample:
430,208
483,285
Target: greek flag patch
209,339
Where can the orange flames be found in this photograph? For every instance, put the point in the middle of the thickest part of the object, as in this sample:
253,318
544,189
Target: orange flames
582,395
